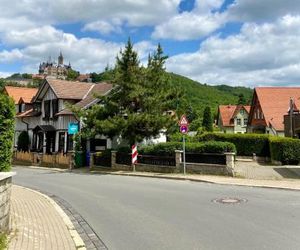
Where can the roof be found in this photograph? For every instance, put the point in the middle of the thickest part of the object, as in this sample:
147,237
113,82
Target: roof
69,89
275,101
90,97
28,113
227,113
46,128
16,93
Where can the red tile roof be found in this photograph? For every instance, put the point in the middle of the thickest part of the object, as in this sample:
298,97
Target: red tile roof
275,101
20,92
227,113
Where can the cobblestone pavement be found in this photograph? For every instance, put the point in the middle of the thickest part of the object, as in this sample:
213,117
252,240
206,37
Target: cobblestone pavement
35,223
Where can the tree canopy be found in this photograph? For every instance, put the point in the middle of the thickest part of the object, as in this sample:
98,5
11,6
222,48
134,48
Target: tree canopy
136,107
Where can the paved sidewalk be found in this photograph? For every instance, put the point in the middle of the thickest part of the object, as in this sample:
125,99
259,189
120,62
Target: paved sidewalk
280,184
36,222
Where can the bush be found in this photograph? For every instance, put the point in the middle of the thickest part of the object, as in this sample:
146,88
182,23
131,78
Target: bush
246,144
23,141
168,148
7,120
177,137
285,150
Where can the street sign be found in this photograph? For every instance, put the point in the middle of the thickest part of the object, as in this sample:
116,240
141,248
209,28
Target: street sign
184,129
183,121
73,128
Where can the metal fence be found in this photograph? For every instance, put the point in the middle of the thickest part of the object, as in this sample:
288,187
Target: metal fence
103,160
157,160
210,158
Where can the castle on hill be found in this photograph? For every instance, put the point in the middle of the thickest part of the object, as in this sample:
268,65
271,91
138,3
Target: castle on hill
56,70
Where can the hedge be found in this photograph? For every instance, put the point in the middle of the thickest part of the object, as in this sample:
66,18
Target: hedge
285,150
169,148
7,125
246,144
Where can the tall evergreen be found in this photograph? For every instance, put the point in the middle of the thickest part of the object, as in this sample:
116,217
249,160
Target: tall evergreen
207,122
135,108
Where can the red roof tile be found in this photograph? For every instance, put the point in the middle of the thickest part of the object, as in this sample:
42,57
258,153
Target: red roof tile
275,101
21,92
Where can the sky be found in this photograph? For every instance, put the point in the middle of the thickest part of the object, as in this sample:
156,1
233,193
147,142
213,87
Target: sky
235,42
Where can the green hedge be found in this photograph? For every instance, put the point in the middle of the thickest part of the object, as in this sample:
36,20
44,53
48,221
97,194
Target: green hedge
169,148
7,125
246,144
285,150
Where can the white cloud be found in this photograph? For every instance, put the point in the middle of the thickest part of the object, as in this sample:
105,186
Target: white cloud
262,10
104,27
198,23
260,54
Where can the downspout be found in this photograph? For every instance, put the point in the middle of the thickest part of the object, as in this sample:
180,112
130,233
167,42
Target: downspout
27,124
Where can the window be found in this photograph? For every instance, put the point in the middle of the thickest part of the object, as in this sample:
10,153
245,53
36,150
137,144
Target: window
37,107
242,111
47,109
70,143
238,121
21,107
245,121
61,141
54,107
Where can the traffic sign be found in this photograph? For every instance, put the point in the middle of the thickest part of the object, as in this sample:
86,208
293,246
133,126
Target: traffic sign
73,128
183,121
184,129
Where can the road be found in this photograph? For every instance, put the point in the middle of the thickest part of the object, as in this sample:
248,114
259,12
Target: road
146,213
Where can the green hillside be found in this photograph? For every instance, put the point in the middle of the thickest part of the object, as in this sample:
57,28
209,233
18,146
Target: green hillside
201,95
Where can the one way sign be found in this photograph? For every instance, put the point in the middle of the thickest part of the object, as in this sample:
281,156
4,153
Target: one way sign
183,121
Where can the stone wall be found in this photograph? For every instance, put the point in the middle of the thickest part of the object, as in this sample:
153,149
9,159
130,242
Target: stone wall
5,195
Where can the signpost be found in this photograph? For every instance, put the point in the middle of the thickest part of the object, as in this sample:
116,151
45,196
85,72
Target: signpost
73,128
134,155
184,128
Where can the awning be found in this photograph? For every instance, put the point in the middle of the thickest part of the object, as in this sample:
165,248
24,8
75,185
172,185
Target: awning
44,128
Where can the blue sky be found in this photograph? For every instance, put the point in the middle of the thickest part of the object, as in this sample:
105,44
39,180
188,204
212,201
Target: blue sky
235,42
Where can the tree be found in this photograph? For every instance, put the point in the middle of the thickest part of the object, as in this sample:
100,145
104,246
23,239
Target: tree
207,122
242,100
23,141
7,120
135,108
72,75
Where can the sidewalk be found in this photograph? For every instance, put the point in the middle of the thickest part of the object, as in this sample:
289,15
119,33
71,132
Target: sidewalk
37,222
293,184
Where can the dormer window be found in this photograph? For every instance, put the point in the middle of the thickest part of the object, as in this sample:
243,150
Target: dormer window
21,107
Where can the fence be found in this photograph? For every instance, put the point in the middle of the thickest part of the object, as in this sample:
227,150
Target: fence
195,163
58,160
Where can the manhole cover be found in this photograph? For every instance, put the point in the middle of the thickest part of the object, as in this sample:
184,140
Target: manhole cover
229,200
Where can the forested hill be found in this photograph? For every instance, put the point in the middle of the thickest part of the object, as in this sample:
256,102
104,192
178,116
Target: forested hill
202,95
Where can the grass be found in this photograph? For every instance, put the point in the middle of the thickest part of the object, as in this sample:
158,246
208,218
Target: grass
3,241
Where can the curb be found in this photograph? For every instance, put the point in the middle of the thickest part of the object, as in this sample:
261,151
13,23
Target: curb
197,180
79,244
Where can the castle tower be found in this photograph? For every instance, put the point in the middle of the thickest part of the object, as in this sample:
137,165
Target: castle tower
60,59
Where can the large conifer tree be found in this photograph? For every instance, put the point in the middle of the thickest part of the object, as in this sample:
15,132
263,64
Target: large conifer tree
135,108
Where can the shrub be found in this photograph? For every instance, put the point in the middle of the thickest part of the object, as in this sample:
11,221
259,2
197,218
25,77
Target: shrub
23,141
177,137
246,144
285,150
7,120
169,148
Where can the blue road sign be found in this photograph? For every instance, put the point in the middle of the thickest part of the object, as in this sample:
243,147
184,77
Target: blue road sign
73,128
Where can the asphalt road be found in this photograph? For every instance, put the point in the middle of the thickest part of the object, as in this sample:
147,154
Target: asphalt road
145,213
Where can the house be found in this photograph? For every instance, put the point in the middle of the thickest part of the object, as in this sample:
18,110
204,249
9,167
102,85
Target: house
233,118
291,121
48,119
269,105
22,98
